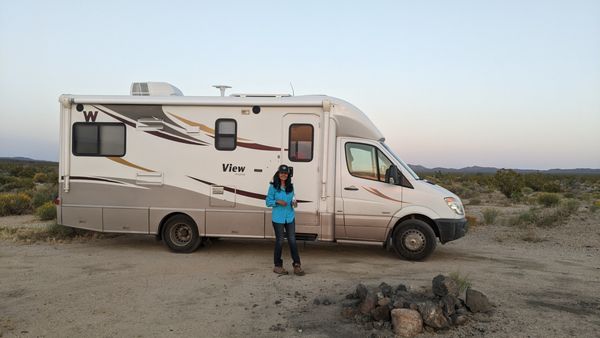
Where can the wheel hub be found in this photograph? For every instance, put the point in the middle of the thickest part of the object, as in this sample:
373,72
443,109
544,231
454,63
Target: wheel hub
181,234
414,240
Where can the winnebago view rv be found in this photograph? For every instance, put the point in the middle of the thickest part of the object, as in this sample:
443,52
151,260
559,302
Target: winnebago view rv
187,168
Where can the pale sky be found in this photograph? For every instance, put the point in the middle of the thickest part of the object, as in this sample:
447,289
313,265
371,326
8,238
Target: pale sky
511,84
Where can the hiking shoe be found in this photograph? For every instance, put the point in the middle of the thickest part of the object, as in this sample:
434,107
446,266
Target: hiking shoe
298,270
280,270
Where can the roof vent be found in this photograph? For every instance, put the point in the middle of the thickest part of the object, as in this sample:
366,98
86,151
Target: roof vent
154,89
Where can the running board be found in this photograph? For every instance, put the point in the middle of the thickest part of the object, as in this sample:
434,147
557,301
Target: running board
349,241
305,237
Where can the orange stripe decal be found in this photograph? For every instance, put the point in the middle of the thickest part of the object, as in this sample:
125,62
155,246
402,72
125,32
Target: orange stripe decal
380,194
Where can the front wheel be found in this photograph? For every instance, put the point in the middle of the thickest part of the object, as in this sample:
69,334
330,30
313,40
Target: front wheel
180,233
414,240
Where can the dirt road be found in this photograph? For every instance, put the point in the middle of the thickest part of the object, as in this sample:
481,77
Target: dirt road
132,286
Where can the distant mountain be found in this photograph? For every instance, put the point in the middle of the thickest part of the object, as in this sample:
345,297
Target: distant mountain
492,170
24,159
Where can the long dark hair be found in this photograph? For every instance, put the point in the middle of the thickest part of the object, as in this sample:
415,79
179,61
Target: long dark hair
289,187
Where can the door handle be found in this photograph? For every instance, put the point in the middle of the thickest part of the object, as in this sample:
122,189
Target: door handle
353,188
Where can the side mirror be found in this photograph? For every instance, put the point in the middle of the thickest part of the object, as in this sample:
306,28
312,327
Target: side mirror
392,175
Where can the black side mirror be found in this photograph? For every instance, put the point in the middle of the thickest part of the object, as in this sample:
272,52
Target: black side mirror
392,175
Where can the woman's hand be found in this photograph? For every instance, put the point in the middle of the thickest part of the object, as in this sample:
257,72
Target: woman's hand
281,202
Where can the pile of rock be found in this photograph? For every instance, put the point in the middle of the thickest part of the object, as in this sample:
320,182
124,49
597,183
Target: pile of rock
408,312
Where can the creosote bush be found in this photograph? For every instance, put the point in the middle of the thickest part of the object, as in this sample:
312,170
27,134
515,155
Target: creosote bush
46,211
14,204
40,178
462,281
509,182
548,199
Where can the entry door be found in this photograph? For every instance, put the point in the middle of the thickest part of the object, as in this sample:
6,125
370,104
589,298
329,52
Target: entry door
368,202
300,144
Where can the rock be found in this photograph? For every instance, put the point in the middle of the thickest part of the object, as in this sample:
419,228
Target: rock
381,313
477,301
401,288
442,285
433,315
413,306
384,301
406,323
385,289
399,303
449,303
278,327
378,325
458,319
360,318
368,303
277,302
361,291
317,301
326,301
349,312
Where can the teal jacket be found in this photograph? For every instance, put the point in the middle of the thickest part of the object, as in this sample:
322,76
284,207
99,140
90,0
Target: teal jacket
280,213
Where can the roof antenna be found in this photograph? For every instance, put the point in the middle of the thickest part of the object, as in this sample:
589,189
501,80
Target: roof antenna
222,88
293,94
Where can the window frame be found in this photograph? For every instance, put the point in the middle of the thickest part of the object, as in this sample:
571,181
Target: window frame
98,139
377,151
218,135
312,143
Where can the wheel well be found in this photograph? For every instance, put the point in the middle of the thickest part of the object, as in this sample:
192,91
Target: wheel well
166,218
419,217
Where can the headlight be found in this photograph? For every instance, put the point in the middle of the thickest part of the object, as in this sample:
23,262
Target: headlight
455,205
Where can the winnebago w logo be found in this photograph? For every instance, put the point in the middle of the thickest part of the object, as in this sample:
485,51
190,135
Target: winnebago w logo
233,168
90,115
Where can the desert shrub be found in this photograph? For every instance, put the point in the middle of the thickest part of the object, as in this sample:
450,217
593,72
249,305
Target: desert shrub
42,195
531,236
551,187
525,218
548,199
527,191
474,201
490,215
471,220
17,184
14,203
595,206
534,181
40,178
509,182
46,211
558,215
462,281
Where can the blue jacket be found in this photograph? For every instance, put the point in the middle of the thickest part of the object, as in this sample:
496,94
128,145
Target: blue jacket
280,213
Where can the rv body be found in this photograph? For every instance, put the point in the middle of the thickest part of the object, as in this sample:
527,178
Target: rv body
186,168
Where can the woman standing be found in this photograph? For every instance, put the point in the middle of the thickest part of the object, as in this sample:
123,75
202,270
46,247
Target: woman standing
281,198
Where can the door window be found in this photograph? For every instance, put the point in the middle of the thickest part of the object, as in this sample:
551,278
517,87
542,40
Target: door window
300,146
366,161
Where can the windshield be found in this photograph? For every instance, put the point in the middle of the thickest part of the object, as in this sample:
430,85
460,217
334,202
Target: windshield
404,165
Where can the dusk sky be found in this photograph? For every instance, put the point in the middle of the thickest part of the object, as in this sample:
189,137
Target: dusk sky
512,84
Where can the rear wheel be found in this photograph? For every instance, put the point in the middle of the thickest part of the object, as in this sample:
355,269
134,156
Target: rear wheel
180,233
414,240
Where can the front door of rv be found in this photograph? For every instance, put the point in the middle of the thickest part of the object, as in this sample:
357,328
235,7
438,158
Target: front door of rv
299,150
368,202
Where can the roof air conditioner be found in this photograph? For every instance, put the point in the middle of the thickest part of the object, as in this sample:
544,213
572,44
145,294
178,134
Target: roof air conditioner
154,89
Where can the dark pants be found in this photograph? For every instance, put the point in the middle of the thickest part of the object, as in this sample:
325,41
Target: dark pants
290,230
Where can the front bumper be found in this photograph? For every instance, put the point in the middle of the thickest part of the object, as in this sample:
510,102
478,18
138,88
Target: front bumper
451,229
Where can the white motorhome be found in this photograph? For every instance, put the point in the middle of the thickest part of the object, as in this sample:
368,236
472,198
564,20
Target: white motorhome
188,168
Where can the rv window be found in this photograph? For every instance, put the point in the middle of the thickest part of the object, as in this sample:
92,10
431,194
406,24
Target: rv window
383,164
98,139
300,145
362,160
225,134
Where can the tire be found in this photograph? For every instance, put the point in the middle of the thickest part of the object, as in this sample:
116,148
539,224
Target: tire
180,234
414,240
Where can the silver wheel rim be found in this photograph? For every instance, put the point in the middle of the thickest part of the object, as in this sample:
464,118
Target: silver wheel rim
181,234
414,240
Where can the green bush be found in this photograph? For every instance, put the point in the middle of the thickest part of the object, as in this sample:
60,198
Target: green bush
43,194
17,184
46,211
552,187
474,201
490,215
14,204
525,218
548,199
509,182
40,178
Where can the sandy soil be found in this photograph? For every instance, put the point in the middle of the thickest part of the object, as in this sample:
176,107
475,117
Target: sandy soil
132,286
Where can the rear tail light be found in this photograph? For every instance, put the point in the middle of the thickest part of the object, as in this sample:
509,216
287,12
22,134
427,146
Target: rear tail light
56,201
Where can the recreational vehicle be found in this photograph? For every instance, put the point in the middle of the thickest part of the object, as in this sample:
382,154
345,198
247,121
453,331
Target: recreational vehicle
187,168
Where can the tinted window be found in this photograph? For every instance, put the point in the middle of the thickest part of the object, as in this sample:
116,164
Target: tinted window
300,145
225,134
99,139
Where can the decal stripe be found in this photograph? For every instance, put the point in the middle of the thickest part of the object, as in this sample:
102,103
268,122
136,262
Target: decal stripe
202,127
85,178
129,164
241,192
380,194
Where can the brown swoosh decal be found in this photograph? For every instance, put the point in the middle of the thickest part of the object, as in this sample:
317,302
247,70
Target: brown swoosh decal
99,179
241,192
129,164
161,134
380,194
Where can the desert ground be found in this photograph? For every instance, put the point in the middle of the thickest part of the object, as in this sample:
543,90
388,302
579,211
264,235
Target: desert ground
130,285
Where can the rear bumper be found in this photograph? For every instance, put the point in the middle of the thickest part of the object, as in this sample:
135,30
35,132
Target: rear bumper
451,229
